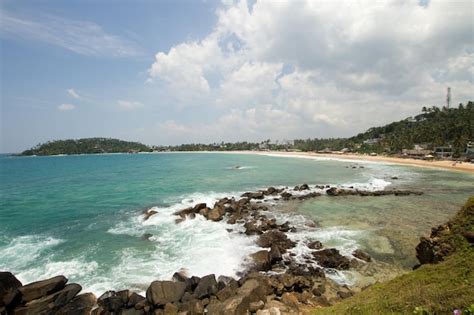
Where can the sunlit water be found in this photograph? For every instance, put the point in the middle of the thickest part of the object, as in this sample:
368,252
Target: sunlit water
81,215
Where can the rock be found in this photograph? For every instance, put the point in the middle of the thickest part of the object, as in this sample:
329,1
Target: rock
331,258
9,285
162,292
194,307
199,207
185,212
394,177
469,236
251,228
225,293
148,214
275,237
286,195
223,281
252,290
216,214
304,187
50,303
207,286
131,311
41,288
79,305
146,236
253,195
315,245
261,261
134,299
334,191
290,299
360,254
170,309
255,306
275,254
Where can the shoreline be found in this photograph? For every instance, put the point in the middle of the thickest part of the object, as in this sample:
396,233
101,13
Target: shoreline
440,165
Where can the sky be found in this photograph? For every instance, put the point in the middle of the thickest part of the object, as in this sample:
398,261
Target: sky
170,72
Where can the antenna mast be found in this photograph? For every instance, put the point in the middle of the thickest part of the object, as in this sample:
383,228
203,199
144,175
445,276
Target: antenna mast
448,97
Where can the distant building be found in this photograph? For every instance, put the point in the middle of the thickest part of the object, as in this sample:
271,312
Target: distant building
470,150
416,153
443,152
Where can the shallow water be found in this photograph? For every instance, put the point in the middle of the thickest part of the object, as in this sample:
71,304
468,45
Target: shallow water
81,215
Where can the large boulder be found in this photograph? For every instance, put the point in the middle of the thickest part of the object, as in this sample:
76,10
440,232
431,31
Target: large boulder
207,286
162,292
41,288
9,285
331,258
261,261
275,237
79,305
216,214
253,290
49,304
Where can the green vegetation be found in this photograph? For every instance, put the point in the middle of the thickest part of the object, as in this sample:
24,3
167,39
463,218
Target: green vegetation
432,289
433,127
86,146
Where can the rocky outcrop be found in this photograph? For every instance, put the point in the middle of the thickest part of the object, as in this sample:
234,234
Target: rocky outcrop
39,289
9,285
331,258
360,254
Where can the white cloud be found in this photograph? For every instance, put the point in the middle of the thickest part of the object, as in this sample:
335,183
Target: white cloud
66,107
129,105
81,37
73,93
327,68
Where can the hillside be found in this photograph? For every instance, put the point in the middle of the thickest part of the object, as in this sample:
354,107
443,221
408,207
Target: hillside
432,127
86,146
432,288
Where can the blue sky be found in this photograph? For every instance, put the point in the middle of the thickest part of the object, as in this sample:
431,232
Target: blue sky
168,72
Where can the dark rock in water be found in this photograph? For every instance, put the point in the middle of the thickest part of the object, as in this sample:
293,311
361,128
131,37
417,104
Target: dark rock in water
185,212
315,245
333,191
310,195
275,254
286,195
49,304
41,288
134,299
79,305
251,228
162,292
358,253
253,195
275,237
331,258
146,236
207,286
148,214
394,177
199,206
216,214
9,285
261,261
304,187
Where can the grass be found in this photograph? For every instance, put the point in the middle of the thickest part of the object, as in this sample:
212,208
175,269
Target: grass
431,289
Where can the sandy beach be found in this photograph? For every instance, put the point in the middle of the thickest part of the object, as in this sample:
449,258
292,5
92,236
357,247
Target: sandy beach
447,165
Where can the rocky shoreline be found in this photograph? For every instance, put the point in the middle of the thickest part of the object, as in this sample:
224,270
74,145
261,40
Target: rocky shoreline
274,282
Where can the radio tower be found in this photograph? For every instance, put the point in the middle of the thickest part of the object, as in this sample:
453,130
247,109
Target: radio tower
448,97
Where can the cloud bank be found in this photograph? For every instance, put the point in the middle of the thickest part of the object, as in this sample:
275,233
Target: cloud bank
286,69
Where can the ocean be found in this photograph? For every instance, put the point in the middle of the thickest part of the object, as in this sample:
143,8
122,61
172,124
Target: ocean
81,216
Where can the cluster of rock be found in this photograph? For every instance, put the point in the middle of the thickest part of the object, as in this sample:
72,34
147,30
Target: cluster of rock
256,293
51,296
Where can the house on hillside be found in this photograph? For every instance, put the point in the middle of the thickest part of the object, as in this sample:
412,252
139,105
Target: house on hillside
470,150
416,153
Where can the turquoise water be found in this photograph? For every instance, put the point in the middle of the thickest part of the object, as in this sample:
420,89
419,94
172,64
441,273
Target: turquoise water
80,215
